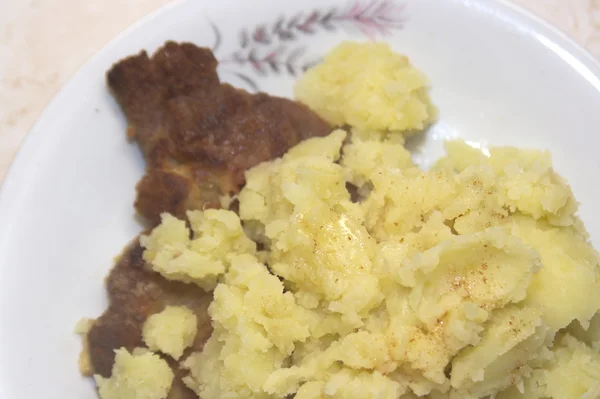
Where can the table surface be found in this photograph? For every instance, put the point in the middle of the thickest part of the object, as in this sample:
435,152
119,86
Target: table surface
40,48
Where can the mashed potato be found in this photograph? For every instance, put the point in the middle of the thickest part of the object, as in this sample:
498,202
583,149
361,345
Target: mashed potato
170,331
138,375
455,283
200,257
368,86
470,280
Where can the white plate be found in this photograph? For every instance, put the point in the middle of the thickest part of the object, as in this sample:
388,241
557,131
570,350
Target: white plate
499,76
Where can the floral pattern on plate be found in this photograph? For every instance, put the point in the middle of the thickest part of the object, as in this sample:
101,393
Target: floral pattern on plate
273,48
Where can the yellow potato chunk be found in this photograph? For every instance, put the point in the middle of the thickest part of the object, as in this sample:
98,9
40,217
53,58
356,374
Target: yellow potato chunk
368,86
170,331
572,370
496,361
568,284
575,371
202,259
141,375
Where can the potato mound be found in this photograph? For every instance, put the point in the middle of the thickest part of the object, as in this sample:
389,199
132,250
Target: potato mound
200,257
139,375
468,280
368,86
170,331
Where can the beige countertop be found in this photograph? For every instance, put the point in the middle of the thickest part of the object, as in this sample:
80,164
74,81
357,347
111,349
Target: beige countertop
43,42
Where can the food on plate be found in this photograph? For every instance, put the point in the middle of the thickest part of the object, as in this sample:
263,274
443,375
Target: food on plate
346,271
448,282
136,293
369,87
171,331
140,375
197,134
572,372
201,257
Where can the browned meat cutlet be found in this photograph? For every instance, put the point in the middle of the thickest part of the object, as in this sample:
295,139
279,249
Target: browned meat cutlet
135,292
198,135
